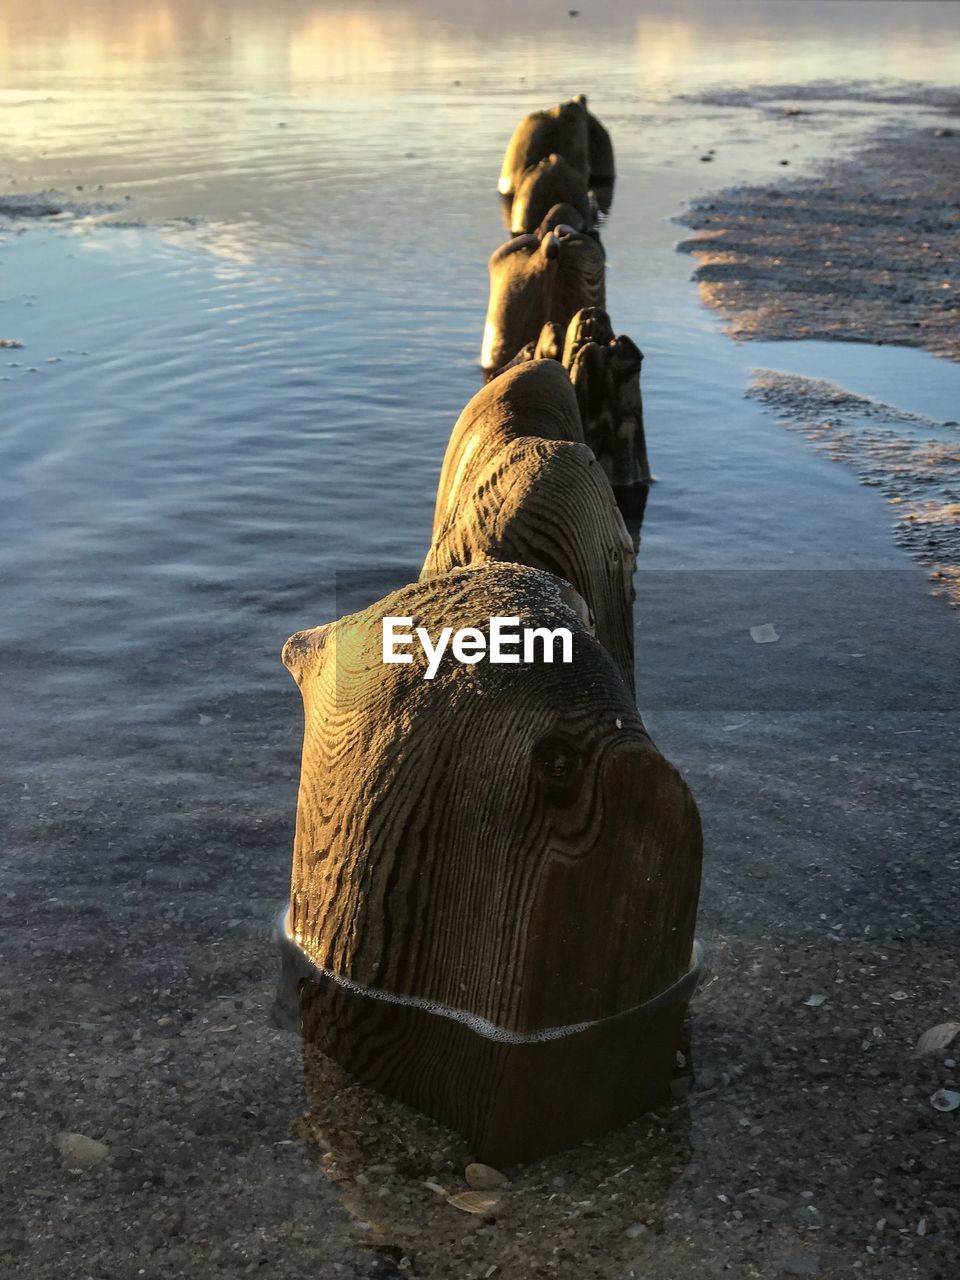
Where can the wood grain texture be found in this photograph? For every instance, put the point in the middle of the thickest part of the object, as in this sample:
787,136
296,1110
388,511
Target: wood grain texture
547,276
605,372
548,504
505,840
530,399
544,186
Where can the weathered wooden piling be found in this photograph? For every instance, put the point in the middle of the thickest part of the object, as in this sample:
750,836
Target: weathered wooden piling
560,130
605,372
547,276
531,399
495,873
569,130
550,183
547,504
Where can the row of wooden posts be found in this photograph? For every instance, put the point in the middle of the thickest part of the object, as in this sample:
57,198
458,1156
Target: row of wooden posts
495,871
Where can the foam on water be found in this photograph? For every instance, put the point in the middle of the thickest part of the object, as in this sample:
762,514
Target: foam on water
297,965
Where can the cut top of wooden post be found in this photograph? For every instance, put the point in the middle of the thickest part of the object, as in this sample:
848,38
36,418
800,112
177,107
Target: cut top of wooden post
503,840
531,399
548,504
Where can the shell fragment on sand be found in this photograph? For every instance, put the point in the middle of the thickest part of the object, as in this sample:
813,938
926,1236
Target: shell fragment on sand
938,1038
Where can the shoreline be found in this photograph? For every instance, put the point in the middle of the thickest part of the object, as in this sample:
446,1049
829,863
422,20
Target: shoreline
833,256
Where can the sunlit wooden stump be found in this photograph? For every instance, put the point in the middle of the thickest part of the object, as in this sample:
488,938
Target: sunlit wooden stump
605,372
550,183
495,873
534,279
547,504
568,130
535,398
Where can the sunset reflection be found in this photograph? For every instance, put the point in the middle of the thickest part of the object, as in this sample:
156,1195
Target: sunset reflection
300,44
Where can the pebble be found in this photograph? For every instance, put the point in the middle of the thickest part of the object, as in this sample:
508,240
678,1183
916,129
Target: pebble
802,1264
80,1152
481,1177
945,1100
633,1233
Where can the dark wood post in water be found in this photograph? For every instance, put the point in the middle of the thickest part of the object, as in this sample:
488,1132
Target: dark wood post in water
546,276
547,504
605,372
495,873
551,185
568,130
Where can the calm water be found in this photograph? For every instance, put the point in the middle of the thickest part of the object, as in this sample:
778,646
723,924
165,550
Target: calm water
248,336
243,355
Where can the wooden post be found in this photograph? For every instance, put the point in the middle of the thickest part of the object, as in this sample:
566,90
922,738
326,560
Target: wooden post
531,399
494,872
550,183
562,130
547,276
605,372
547,504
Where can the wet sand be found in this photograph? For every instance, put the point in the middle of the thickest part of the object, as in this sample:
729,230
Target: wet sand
807,1144
912,459
865,250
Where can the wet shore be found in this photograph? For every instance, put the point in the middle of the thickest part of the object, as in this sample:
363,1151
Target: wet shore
865,250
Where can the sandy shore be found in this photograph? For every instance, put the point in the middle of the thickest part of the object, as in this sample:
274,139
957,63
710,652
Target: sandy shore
865,251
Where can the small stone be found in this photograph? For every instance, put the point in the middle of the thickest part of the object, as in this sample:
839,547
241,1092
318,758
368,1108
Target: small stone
801,1263
945,1100
765,633
80,1152
938,1037
481,1177
636,1231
